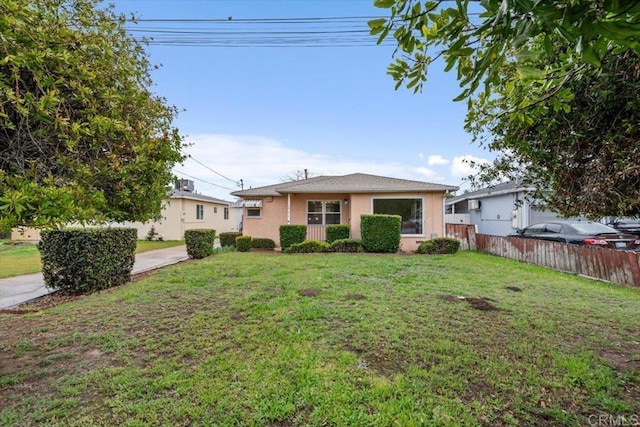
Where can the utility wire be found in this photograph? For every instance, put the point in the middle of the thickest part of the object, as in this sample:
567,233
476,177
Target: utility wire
216,172
338,31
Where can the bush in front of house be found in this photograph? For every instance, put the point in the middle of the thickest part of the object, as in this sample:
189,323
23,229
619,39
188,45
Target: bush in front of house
380,233
291,234
262,243
440,245
243,243
228,238
346,245
81,261
307,247
199,242
337,232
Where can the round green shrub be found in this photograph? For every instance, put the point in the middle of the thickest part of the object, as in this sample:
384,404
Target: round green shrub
347,245
440,245
308,246
243,243
228,238
291,234
380,233
199,242
337,232
262,243
81,261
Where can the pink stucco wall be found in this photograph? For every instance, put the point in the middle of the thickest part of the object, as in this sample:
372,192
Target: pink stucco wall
274,214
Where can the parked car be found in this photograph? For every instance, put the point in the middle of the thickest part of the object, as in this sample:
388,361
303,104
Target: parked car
581,233
626,226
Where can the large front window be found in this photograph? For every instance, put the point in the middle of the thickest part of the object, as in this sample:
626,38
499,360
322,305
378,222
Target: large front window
409,209
323,212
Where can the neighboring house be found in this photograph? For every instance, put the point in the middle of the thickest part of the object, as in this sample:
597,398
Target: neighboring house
320,201
183,210
499,210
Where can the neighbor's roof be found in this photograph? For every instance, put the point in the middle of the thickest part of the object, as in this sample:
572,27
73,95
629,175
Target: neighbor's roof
498,189
179,194
353,183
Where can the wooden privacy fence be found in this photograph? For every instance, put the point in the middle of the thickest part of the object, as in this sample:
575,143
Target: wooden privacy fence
465,233
600,263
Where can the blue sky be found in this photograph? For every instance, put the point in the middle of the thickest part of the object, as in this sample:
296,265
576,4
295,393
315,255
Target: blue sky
260,113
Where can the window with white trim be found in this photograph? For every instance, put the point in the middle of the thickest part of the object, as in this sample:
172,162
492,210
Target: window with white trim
226,213
324,212
199,211
410,209
254,212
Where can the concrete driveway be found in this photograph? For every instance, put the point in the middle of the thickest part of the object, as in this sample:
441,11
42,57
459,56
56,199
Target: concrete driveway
18,289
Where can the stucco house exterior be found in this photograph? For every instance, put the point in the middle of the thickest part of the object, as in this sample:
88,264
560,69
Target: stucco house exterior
184,209
320,201
499,210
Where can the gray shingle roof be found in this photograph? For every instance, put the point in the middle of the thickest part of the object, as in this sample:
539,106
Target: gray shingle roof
505,187
353,183
178,194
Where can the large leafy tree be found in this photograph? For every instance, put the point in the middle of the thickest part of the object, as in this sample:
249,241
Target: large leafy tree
82,137
551,85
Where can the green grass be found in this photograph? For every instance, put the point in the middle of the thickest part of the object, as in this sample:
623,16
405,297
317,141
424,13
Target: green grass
266,339
17,258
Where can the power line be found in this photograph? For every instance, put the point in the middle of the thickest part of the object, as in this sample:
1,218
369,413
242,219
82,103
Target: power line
216,172
333,31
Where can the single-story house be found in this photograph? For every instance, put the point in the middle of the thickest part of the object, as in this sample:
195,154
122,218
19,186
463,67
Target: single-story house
323,200
499,210
183,210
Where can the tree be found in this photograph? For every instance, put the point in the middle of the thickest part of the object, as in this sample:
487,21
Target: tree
560,85
82,138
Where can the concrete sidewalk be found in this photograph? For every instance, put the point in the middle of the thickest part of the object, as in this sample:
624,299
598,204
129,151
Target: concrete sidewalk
18,289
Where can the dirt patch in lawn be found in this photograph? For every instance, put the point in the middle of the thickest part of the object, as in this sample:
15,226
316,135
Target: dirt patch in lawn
311,292
513,288
482,304
356,297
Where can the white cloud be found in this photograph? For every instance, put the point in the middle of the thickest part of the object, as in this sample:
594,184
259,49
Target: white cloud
260,161
461,165
430,174
436,159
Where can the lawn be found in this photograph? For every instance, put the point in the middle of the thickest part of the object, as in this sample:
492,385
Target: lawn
267,339
18,258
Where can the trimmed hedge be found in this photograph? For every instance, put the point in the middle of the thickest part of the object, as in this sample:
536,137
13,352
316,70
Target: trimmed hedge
228,238
81,261
308,246
347,245
262,243
200,242
380,233
337,232
243,243
440,245
291,234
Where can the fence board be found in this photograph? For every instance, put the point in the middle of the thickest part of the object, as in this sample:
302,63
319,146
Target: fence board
600,263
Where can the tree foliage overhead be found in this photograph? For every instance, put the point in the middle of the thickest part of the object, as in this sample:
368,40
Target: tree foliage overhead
82,137
551,85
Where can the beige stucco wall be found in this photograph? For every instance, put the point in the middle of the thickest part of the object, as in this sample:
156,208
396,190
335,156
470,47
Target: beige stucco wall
25,233
274,214
178,215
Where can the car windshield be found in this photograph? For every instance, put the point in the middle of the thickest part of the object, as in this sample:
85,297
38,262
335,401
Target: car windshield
592,228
